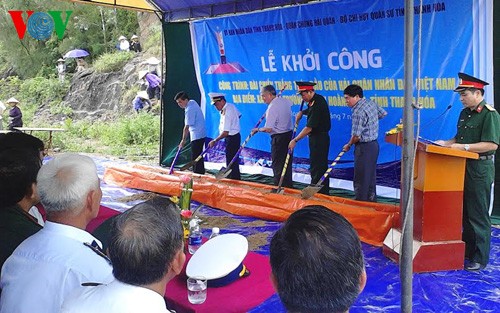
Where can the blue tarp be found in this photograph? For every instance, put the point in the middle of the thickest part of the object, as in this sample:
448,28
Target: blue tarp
451,291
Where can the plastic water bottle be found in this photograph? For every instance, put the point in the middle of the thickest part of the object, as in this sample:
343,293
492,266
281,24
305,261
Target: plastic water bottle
215,232
194,241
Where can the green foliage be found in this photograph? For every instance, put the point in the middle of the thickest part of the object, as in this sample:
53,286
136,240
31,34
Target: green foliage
132,136
112,61
154,41
93,28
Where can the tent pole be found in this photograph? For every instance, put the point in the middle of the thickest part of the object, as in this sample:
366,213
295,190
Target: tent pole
162,89
406,255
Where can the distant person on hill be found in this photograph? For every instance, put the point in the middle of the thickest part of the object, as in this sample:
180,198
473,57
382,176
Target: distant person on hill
154,83
2,109
316,262
15,114
135,45
141,102
123,44
81,64
61,69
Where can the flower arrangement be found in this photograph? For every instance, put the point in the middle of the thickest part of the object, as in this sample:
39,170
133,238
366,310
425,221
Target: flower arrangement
395,130
184,203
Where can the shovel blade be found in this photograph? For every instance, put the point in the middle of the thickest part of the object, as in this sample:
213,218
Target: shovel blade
309,191
278,190
223,173
188,165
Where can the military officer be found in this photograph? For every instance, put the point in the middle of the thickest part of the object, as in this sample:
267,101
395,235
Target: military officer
478,130
317,128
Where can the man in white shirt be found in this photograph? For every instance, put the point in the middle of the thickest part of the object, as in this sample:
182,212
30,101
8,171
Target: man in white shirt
47,266
146,249
229,130
279,125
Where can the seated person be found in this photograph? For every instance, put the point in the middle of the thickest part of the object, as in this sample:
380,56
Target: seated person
146,249
135,45
19,140
50,264
316,261
18,169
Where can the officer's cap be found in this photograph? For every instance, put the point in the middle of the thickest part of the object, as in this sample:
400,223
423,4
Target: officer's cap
216,96
220,260
467,81
305,86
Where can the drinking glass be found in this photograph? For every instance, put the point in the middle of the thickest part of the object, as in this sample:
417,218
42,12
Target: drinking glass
197,289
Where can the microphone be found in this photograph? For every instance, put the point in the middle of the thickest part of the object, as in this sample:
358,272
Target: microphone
439,116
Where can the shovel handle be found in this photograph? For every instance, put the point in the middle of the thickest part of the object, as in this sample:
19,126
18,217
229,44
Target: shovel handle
185,167
173,162
330,168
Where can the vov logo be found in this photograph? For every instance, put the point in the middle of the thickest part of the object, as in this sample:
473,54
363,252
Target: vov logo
40,25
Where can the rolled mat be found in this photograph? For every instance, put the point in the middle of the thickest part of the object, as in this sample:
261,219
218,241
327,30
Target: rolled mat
371,220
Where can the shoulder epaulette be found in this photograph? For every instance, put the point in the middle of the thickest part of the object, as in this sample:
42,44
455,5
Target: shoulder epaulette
489,107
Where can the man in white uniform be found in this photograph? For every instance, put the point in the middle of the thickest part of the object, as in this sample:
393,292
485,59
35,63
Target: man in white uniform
146,249
50,264
229,130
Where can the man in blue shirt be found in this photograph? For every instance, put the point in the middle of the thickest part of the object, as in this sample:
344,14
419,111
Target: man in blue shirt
364,134
194,126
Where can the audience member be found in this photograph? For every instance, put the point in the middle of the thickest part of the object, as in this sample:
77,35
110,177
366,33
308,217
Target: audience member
47,266
18,169
135,45
146,249
19,140
15,114
81,64
317,263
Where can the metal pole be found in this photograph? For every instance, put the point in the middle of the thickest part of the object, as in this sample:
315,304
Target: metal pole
406,255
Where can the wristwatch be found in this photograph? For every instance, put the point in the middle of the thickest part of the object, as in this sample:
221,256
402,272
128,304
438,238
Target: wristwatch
466,147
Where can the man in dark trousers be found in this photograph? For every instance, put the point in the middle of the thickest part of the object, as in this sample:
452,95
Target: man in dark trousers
478,130
317,128
279,126
364,135
229,130
194,127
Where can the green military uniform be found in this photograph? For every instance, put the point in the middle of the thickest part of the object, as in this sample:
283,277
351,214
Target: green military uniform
479,125
318,119
15,226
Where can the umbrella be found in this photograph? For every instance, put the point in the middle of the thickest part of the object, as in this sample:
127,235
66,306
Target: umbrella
76,53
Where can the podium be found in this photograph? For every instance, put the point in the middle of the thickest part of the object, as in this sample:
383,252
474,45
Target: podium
438,194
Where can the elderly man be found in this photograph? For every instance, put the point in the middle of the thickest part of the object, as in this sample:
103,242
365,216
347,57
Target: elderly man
317,128
279,126
194,127
364,135
47,266
478,131
146,249
316,261
229,130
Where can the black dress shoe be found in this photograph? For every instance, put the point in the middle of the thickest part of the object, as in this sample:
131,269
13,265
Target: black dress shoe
474,267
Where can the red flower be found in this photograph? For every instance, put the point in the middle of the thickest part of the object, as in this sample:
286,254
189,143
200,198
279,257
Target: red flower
186,214
184,179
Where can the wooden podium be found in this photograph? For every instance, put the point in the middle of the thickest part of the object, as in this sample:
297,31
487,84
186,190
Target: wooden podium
438,195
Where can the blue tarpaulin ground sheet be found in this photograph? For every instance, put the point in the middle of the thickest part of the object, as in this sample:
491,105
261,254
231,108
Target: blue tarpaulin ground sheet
450,291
